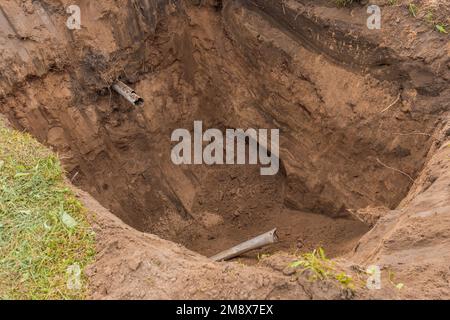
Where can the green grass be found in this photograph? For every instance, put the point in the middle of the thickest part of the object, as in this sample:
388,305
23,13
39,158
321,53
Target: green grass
37,244
320,267
413,9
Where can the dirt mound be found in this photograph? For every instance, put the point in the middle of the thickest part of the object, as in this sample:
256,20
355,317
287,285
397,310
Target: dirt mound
358,115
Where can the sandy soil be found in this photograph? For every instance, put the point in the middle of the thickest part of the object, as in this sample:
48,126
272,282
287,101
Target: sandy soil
364,152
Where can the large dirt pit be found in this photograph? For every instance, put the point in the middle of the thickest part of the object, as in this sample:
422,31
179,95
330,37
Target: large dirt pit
334,136
355,127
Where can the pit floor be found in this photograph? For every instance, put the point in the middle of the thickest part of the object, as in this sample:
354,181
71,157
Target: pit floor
298,232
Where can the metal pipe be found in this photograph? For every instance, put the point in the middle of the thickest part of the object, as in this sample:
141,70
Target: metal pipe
255,243
128,93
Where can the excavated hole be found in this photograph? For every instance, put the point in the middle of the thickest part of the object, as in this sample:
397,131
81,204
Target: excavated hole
334,141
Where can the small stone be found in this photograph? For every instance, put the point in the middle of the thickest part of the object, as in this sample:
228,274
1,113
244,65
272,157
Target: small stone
135,265
406,107
289,271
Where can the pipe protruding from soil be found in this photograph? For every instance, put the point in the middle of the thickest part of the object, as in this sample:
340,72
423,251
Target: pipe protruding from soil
128,93
255,243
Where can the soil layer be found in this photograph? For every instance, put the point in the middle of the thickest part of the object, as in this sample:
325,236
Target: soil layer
363,125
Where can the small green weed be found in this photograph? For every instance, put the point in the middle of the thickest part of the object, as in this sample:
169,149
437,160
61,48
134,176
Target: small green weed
413,9
321,268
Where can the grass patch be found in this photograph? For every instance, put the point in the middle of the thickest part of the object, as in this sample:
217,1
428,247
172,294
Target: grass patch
43,227
413,9
319,267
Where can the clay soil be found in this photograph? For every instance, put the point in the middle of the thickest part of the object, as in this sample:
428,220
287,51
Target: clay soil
363,140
